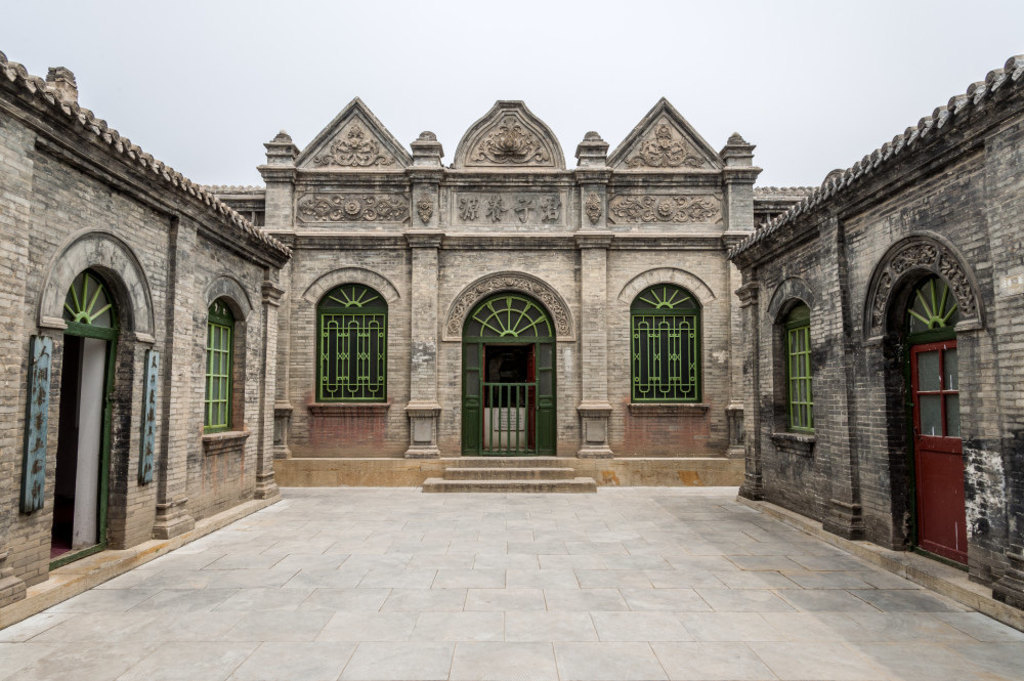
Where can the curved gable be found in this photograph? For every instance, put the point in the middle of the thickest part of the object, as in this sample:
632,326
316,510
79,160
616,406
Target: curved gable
509,136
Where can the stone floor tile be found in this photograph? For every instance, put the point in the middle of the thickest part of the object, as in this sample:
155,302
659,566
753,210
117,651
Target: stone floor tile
210,626
100,627
899,600
682,578
195,661
277,626
505,599
879,579
249,579
15,656
365,626
595,579
905,626
86,661
492,578
584,599
264,599
742,600
103,600
174,601
33,626
459,626
408,661
552,578
549,626
320,661
980,627
397,578
711,662
836,561
816,661
442,561
730,626
675,600
639,626
923,661
501,661
565,560
773,563
361,600
303,562
828,580
516,561
175,579
242,562
825,600
425,600
818,626
1003,659
759,579
607,662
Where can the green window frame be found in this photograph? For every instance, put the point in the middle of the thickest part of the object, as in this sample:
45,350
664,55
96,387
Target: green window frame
932,311
665,332
220,331
799,374
352,341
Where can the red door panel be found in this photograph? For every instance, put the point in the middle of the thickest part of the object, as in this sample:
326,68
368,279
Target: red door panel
938,458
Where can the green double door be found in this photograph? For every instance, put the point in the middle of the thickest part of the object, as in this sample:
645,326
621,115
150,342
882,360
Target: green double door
508,379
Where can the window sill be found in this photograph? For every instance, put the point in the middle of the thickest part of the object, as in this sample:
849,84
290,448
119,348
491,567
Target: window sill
224,441
329,409
794,444
642,409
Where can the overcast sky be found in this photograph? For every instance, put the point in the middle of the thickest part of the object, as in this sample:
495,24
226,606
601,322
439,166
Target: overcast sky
815,85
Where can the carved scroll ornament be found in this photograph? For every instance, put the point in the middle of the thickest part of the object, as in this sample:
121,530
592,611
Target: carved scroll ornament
922,255
353,208
665,149
675,209
593,208
354,148
511,143
508,282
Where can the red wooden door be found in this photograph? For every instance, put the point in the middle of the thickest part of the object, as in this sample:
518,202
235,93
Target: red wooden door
938,458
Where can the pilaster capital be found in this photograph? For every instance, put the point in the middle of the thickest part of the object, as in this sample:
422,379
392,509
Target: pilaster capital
747,293
424,239
593,240
272,293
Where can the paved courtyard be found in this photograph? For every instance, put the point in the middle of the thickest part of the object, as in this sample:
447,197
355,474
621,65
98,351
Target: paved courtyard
641,583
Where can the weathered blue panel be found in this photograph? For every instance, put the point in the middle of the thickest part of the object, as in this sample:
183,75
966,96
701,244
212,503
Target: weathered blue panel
148,417
33,478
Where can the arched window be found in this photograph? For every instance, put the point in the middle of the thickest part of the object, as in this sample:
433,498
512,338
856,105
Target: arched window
665,345
799,397
352,345
220,331
932,311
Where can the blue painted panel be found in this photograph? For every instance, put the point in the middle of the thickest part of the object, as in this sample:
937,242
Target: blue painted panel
33,478
148,417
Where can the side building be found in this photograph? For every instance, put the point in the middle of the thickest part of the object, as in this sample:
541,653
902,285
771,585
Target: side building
137,348
885,342
506,305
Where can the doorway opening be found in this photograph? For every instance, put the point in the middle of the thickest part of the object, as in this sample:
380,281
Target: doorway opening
83,431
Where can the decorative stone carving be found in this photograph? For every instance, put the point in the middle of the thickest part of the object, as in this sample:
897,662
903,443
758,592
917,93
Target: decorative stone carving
511,144
593,208
665,149
425,209
674,209
510,208
354,148
509,282
324,207
922,255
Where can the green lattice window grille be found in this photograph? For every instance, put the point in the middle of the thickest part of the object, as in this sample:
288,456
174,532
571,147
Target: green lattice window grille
509,317
220,329
932,311
89,308
665,345
799,396
352,345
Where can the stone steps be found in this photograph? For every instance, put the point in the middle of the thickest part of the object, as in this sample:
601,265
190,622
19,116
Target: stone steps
498,473
577,484
528,474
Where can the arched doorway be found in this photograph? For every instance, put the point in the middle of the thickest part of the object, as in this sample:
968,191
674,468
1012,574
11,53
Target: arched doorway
83,436
934,414
508,378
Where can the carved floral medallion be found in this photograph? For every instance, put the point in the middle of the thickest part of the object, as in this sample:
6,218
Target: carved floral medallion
674,209
354,148
592,207
511,143
323,207
665,149
425,209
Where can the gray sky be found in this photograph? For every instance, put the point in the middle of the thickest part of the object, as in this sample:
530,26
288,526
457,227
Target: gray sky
815,85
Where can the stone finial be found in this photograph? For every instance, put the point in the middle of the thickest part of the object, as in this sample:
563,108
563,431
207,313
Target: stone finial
61,82
737,151
280,150
592,152
426,150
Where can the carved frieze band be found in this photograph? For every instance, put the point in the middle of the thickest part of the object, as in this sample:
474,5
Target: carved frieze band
354,148
508,207
665,148
509,282
927,255
353,207
664,208
510,144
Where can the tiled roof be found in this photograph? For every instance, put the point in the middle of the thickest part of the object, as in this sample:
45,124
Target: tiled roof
927,130
34,86
781,193
233,189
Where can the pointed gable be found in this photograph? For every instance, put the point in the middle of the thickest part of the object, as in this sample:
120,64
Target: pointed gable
664,140
509,136
354,140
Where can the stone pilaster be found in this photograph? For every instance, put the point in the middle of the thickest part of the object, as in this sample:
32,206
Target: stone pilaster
753,480
177,428
266,486
423,409
594,408
738,176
